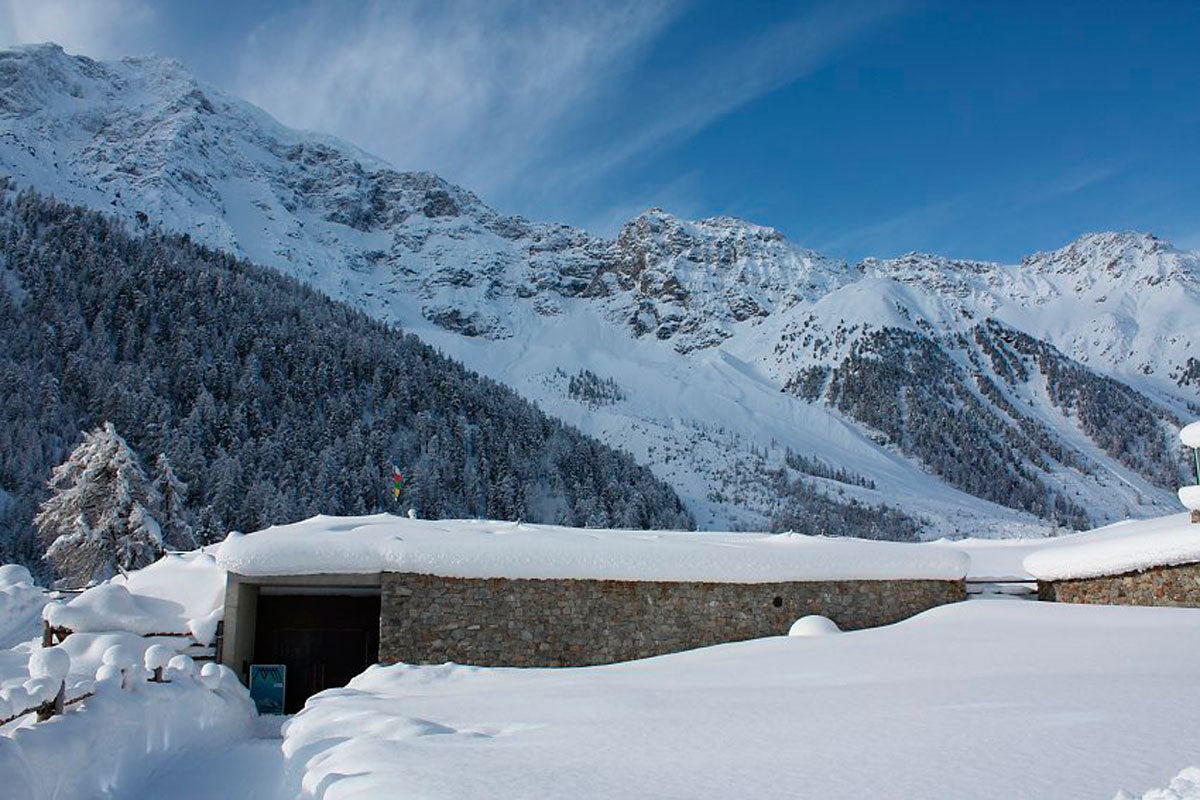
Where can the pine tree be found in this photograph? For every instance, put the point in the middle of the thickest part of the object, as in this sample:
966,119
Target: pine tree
173,517
99,518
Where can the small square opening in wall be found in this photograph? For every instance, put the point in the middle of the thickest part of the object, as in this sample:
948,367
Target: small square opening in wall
777,602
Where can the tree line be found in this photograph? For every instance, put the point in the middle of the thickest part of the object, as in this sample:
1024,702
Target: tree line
271,401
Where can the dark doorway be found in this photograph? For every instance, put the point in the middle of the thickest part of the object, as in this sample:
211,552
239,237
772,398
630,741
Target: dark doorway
325,640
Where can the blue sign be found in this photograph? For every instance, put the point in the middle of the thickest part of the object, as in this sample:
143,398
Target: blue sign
267,683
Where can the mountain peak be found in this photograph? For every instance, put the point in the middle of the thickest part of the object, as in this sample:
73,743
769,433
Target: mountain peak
1138,256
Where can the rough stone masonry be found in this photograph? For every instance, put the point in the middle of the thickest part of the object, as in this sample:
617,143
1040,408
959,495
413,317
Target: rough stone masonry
428,619
1158,586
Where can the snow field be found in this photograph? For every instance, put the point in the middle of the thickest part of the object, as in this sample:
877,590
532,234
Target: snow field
995,699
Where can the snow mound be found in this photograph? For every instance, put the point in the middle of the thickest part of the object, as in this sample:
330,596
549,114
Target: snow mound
14,575
484,549
50,662
1190,497
1167,541
21,604
179,594
111,607
158,656
110,742
1190,435
813,625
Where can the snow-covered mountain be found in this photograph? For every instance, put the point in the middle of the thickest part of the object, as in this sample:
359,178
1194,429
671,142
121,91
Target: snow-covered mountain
760,378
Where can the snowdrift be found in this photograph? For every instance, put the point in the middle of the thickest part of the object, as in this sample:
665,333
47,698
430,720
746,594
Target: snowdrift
108,743
178,594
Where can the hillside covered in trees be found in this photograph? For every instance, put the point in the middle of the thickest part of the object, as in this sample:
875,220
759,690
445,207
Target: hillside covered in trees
272,401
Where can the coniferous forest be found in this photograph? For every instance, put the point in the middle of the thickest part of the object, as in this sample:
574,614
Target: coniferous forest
272,401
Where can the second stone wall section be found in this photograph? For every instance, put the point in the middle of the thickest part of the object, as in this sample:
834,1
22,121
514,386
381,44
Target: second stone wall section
549,623
1158,586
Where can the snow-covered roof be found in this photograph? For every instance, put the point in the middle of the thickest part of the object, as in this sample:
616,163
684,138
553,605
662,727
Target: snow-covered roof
483,549
1124,547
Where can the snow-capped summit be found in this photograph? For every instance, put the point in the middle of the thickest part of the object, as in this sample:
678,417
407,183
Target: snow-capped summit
1140,258
691,282
709,349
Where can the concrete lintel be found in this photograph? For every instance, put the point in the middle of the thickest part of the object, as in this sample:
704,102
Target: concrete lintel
327,579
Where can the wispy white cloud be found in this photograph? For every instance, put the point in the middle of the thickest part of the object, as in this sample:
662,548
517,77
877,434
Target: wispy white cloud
97,28
536,106
678,195
1074,179
475,91
722,82
894,235
522,102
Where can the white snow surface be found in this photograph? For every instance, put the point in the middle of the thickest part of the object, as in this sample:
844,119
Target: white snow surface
111,740
21,604
1189,496
1190,435
1115,549
983,699
813,625
483,549
178,594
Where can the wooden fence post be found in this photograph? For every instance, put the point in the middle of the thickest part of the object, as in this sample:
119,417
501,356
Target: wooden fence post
47,710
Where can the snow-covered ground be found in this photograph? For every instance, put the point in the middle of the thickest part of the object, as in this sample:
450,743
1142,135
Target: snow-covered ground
988,698
983,699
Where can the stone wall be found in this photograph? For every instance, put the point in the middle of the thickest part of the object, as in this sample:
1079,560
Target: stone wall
1159,586
544,623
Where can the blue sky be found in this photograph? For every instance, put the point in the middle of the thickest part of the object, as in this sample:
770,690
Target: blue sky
984,130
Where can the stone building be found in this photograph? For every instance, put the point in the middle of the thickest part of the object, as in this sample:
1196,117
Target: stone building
1152,562
330,596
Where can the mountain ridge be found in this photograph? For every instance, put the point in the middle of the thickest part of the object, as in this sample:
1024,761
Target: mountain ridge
667,310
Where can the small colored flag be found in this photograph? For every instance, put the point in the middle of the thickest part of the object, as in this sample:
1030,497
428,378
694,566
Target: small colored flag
397,480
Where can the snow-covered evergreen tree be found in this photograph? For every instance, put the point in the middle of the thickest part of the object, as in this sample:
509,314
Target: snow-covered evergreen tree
99,518
172,514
